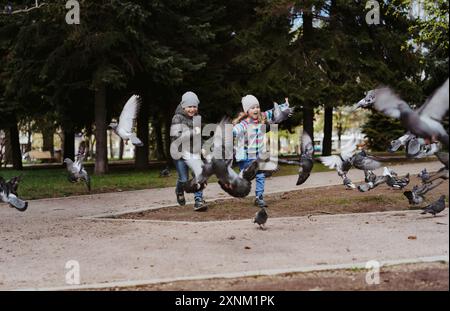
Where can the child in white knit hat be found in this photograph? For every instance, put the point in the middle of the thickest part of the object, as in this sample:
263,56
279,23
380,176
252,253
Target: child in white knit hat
248,126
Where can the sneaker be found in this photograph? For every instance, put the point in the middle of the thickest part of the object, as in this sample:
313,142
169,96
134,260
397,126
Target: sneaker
200,206
180,198
259,201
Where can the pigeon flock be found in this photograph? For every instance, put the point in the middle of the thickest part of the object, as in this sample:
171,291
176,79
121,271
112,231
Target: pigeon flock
424,137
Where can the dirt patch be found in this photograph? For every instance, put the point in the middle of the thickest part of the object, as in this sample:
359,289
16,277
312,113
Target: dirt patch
323,200
423,276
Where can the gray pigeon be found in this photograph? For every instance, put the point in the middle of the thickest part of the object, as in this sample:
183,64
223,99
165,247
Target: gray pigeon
423,122
14,184
395,182
373,182
416,195
435,207
124,128
306,159
342,162
424,175
8,196
165,172
281,114
202,171
76,169
261,218
401,141
365,162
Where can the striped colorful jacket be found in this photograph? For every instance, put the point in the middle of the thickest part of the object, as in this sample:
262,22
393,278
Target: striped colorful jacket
250,137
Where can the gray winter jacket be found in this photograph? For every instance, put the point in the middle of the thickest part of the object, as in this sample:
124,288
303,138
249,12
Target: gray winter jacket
181,118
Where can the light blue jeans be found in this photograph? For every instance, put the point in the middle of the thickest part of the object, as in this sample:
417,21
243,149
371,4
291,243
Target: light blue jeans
260,177
183,176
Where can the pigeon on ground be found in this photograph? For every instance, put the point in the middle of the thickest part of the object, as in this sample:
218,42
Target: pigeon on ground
435,207
261,218
306,159
342,162
372,181
423,122
281,114
76,169
8,196
395,182
165,172
424,175
416,195
124,128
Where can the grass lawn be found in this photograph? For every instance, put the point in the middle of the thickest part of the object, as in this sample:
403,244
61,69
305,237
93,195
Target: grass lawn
52,183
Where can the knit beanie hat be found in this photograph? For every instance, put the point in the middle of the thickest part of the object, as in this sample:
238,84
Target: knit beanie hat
248,102
189,99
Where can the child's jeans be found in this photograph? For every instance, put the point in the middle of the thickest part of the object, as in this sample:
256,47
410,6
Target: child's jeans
183,176
260,177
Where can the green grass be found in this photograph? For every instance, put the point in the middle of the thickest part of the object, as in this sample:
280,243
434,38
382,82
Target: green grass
52,183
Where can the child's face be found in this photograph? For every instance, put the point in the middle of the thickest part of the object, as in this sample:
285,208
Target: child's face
191,110
254,112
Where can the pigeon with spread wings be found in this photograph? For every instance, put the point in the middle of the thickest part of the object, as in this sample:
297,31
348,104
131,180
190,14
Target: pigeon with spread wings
124,128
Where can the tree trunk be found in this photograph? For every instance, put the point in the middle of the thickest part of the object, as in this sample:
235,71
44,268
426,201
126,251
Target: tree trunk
121,149
167,140
111,146
101,141
48,144
16,154
142,153
308,121
160,154
327,132
69,144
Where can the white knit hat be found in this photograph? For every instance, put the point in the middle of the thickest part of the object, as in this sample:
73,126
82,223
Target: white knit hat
248,102
189,99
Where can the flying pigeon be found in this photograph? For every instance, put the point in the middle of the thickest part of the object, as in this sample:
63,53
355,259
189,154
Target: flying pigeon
281,114
342,162
202,171
365,162
423,122
124,128
435,207
8,196
261,217
416,195
395,182
306,159
401,141
76,169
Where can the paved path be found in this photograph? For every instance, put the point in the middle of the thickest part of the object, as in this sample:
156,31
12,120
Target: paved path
35,245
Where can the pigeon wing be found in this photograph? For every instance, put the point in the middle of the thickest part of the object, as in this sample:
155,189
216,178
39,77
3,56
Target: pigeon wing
129,113
436,105
348,149
333,161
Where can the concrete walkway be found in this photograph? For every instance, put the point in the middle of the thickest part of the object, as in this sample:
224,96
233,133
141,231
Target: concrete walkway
36,245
